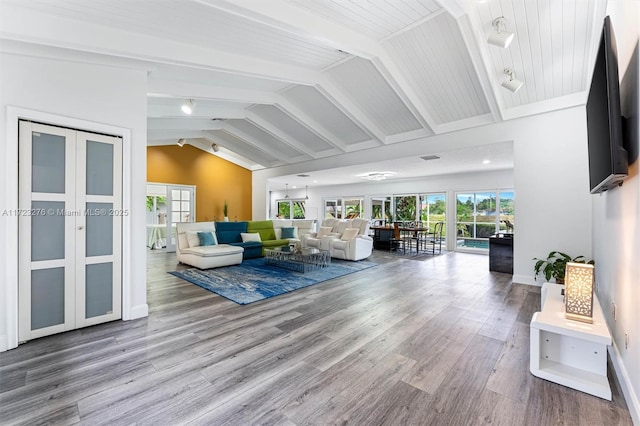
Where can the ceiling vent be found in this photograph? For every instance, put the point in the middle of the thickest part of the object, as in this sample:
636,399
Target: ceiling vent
430,157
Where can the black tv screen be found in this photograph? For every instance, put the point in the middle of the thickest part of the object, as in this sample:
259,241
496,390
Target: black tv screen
608,160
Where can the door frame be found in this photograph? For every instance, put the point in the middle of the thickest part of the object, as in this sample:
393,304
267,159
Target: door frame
11,241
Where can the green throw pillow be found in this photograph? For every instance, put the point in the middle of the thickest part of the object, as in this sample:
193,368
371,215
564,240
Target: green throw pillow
288,232
206,239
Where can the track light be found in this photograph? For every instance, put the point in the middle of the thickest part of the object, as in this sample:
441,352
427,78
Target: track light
181,142
511,83
215,147
286,190
187,106
501,37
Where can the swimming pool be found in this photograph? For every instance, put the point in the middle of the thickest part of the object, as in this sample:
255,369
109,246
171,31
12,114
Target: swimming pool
475,243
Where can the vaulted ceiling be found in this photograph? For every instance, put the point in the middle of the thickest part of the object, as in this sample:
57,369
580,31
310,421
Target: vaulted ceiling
281,82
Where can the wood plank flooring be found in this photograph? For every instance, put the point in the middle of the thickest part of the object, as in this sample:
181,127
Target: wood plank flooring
432,341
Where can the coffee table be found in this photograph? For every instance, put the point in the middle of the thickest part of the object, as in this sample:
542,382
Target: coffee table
303,260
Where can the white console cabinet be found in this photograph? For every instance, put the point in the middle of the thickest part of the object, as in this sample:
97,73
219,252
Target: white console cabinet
568,352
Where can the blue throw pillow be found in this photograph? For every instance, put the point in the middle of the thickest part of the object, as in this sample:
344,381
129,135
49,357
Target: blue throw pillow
288,232
206,239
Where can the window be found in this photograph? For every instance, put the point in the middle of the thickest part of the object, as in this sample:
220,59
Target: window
381,208
433,209
291,209
353,207
507,218
480,215
405,208
344,208
332,209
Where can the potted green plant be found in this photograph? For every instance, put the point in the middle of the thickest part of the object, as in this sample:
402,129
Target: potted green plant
555,265
225,211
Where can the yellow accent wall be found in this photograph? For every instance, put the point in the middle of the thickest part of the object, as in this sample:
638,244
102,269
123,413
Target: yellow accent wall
215,179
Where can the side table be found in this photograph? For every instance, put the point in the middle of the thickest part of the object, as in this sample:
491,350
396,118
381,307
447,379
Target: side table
568,352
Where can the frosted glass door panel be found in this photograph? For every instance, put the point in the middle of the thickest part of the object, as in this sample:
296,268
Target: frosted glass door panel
47,298
99,168
47,163
99,229
47,230
99,291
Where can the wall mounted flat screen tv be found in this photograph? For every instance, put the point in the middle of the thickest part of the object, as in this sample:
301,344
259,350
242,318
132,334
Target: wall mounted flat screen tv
608,160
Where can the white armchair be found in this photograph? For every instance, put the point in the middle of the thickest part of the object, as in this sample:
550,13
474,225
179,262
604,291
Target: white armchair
327,232
354,249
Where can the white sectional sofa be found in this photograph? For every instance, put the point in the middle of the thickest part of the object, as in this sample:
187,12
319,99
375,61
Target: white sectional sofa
190,252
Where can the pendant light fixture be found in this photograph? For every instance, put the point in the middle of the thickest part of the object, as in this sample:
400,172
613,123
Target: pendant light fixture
306,192
286,190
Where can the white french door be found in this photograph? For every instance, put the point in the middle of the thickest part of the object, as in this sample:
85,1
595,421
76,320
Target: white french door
70,227
181,205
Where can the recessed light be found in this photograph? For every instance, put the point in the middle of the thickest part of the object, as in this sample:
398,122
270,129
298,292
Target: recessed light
486,161
294,187
315,181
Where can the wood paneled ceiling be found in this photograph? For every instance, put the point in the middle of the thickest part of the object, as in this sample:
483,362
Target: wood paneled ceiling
281,82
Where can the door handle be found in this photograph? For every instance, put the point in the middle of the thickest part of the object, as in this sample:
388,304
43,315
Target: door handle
80,228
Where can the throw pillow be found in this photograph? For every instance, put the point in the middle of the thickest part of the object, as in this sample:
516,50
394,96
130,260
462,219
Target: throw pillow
207,239
324,230
350,233
192,239
288,232
250,237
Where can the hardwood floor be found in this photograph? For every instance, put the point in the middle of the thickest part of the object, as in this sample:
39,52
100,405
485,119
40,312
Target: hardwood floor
436,341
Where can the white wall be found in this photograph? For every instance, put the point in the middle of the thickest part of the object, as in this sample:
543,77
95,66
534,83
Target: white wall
616,222
550,179
448,184
77,91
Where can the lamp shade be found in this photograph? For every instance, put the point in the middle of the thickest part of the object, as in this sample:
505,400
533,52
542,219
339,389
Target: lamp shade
578,292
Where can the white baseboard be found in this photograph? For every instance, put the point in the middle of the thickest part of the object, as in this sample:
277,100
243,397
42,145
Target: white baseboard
630,395
4,343
138,311
526,279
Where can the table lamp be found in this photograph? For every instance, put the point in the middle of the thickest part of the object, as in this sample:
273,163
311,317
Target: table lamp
578,282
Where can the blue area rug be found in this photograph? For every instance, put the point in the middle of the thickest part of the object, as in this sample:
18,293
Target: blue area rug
253,280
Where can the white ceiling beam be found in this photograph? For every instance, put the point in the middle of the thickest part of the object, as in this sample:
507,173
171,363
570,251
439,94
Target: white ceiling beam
75,34
393,76
202,111
230,141
173,134
310,124
256,143
205,145
181,89
269,128
455,8
471,36
286,17
183,123
341,101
